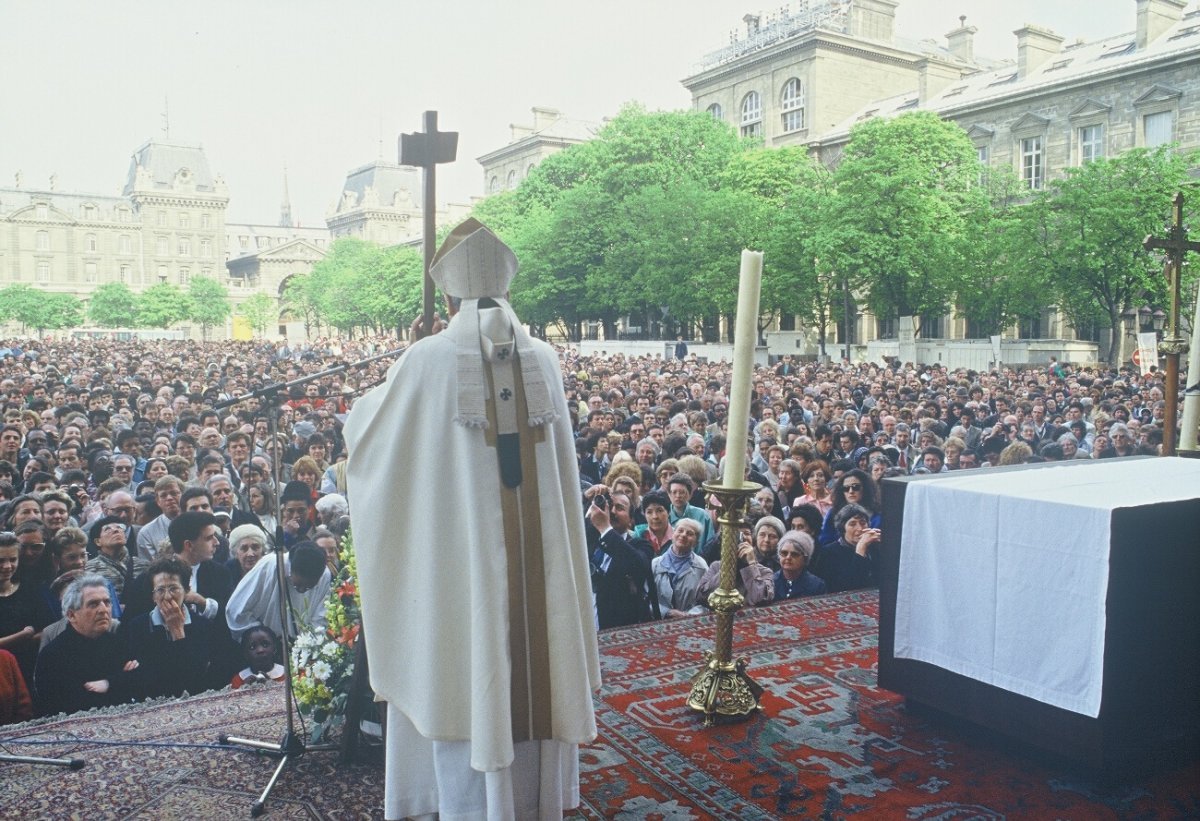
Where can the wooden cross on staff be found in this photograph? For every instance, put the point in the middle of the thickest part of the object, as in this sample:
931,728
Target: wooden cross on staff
1176,245
425,149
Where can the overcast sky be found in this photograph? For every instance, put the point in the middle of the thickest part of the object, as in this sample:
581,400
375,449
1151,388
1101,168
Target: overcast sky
318,85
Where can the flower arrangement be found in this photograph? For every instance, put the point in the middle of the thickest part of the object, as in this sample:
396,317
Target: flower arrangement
323,659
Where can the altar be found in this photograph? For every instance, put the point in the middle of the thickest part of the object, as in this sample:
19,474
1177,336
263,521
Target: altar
1054,603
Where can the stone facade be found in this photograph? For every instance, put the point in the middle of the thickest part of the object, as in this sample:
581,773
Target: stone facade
167,225
551,132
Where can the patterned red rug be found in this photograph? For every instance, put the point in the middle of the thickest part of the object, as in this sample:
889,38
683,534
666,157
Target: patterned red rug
159,761
827,743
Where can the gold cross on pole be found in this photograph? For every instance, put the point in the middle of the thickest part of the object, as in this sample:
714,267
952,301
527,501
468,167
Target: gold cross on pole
1176,246
425,150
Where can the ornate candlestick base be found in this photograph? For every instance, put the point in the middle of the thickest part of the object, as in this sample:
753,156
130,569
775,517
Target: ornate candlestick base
722,685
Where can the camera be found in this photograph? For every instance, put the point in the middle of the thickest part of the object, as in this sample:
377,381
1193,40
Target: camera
601,500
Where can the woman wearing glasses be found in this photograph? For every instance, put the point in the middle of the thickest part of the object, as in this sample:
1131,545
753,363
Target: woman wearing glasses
855,487
171,643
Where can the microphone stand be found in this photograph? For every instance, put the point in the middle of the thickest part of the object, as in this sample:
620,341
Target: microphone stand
292,745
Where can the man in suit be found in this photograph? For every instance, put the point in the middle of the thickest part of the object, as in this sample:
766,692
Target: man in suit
621,576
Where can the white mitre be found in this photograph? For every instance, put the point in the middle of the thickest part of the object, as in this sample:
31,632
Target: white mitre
474,264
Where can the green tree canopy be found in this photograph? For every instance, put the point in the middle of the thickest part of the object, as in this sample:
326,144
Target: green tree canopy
208,302
260,310
162,305
1086,231
905,187
113,305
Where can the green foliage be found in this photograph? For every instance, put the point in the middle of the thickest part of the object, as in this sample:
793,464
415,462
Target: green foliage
208,302
1085,233
359,285
162,305
260,311
905,188
113,305
38,309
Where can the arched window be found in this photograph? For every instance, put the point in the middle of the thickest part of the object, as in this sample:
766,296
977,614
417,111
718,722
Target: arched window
512,180
792,103
716,112
494,185
752,115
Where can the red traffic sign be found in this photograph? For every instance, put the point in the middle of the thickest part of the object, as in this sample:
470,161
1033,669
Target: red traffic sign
1137,357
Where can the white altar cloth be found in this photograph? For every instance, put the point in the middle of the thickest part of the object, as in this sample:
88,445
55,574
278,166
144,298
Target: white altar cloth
1004,576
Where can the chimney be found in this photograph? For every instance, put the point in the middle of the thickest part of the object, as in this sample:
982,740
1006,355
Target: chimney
873,19
519,131
543,117
1035,45
1156,16
932,77
962,41
753,23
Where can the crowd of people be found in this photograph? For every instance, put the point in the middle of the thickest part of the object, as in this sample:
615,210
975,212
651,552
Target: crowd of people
141,535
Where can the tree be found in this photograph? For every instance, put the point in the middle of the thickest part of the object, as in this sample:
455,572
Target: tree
37,309
905,187
298,300
208,302
19,302
998,285
1086,232
162,305
260,311
113,305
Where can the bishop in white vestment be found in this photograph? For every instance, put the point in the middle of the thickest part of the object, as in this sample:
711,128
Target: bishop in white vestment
472,560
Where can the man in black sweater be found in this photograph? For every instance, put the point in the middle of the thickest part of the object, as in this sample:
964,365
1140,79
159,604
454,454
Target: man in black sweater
86,666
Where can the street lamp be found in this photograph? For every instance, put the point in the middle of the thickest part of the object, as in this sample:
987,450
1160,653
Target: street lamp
1158,319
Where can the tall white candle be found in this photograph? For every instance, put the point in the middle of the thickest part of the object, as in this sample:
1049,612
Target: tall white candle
744,341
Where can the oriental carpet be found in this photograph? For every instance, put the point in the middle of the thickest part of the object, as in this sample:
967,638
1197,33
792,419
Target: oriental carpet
827,744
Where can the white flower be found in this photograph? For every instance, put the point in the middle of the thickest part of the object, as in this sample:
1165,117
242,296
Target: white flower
321,670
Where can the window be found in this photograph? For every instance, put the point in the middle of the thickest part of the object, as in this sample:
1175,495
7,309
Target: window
244,242
43,211
43,240
1158,128
206,248
162,273
89,243
126,274
185,246
43,272
931,326
984,153
122,215
752,115
89,272
124,244
494,185
1033,172
512,180
206,221
793,105
161,246
162,218
1091,143
185,219
207,272
185,275
89,212
262,242
716,112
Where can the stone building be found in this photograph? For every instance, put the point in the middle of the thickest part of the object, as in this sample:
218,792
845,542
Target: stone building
551,131
807,77
167,225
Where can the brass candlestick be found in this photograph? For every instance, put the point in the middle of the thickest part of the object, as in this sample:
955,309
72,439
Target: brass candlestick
722,686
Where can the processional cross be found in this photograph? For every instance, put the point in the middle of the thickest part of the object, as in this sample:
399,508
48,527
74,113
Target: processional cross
1176,245
425,150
